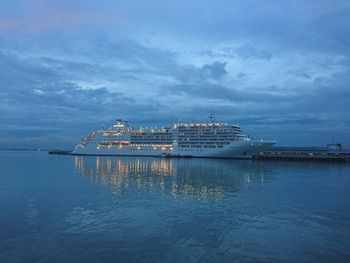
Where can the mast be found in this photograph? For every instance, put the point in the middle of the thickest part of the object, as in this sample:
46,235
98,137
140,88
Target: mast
211,116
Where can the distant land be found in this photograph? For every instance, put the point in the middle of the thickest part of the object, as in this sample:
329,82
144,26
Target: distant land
25,149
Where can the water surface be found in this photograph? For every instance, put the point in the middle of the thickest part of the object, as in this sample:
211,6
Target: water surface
134,209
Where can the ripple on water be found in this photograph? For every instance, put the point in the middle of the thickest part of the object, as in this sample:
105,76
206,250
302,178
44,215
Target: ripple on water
99,209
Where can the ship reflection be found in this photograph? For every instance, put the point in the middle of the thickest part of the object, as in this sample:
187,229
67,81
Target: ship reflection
200,178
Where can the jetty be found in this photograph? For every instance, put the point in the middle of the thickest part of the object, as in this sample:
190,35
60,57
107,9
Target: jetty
331,153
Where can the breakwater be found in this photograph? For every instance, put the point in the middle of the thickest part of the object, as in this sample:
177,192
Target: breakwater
61,152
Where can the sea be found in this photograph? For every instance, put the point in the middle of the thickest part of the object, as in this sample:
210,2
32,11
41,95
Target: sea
63,208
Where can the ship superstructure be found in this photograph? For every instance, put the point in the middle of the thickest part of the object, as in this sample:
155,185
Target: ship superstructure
213,139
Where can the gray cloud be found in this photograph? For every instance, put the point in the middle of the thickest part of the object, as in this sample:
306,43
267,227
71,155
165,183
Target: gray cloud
216,70
252,52
282,66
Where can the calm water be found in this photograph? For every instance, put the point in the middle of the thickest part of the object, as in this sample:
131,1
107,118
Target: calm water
131,209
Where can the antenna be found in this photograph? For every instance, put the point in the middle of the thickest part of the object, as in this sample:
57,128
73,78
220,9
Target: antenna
211,116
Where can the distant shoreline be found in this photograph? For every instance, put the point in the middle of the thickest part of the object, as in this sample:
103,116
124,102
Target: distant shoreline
29,150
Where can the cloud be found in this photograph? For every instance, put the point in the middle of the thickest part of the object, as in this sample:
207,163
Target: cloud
41,16
216,70
204,90
72,66
248,52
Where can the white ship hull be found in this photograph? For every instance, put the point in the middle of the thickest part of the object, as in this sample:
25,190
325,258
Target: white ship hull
236,149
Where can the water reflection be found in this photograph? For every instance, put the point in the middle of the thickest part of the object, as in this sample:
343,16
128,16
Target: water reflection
201,178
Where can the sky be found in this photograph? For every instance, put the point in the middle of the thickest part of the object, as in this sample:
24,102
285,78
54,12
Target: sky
279,68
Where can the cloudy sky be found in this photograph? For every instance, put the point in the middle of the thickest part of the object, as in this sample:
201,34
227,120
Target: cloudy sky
279,68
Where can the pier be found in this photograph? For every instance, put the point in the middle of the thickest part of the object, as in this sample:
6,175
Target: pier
331,153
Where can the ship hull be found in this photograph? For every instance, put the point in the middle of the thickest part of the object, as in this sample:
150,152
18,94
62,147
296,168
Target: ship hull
237,149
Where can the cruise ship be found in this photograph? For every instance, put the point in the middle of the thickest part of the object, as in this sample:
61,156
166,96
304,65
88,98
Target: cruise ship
212,139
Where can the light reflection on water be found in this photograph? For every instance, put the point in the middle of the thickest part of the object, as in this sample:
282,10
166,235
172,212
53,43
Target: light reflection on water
197,177
134,209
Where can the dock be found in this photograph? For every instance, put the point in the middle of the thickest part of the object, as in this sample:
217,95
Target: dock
310,154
